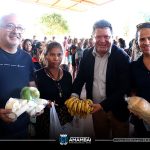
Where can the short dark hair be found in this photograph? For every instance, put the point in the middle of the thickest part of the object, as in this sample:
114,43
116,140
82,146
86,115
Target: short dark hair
139,27
102,24
143,25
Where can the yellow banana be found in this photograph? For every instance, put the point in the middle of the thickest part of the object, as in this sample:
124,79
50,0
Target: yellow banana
90,101
86,106
90,109
79,107
82,106
70,104
74,107
68,100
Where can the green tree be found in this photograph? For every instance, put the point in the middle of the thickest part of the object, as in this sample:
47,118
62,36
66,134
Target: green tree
54,24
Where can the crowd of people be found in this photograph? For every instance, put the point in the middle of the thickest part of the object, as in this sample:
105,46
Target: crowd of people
106,68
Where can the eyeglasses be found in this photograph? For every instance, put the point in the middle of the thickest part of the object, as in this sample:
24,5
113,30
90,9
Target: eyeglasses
143,25
12,27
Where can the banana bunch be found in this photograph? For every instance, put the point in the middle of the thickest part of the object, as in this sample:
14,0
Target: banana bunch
77,107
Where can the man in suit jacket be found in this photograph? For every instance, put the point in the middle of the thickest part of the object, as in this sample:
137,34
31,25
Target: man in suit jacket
104,70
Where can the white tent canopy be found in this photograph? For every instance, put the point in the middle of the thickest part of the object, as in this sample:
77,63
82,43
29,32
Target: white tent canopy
74,5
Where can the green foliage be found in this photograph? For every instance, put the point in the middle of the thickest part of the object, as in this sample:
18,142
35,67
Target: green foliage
54,24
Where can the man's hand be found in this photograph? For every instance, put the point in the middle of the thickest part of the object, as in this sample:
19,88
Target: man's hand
96,107
4,115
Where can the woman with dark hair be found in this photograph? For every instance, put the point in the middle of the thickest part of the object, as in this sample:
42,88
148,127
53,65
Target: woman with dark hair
54,84
140,77
27,46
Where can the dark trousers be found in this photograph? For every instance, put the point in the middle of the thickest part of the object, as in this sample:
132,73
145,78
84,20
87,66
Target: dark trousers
139,128
106,126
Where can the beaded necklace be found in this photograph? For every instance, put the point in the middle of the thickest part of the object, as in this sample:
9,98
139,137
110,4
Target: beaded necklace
49,74
52,76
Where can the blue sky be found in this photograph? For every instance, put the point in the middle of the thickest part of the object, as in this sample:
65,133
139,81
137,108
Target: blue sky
120,13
